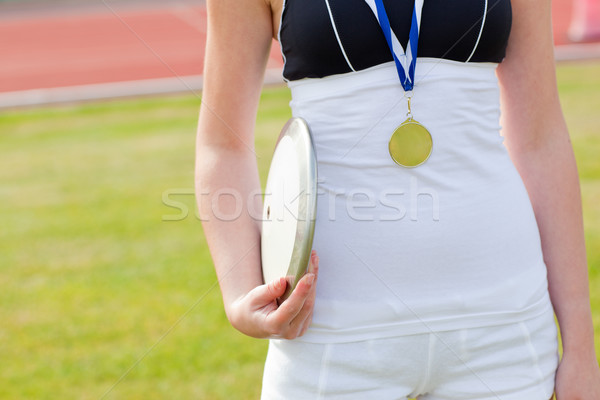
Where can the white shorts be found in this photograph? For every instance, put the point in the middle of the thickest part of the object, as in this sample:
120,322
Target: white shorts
505,362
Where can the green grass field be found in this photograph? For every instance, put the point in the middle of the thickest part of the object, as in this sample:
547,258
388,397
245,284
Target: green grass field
94,275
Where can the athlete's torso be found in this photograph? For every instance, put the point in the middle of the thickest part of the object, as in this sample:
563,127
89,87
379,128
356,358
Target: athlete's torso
450,244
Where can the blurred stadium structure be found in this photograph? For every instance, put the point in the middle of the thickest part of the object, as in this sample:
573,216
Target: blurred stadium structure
74,50
585,23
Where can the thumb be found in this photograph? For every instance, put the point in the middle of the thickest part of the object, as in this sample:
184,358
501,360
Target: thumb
269,292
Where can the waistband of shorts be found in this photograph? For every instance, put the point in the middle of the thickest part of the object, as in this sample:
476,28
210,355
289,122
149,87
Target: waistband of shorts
422,326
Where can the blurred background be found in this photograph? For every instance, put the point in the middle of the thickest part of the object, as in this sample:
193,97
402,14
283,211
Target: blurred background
106,285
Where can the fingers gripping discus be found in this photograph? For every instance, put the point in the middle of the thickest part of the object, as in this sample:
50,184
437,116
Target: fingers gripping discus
290,206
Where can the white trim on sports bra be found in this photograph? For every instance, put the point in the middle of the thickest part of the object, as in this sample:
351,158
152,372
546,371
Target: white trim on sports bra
279,38
485,8
337,36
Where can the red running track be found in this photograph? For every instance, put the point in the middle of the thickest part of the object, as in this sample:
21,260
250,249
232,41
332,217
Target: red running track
103,45
84,45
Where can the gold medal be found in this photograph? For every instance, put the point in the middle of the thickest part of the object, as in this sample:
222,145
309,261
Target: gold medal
411,143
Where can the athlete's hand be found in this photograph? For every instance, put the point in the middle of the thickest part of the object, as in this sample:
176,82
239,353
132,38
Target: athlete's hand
578,378
259,315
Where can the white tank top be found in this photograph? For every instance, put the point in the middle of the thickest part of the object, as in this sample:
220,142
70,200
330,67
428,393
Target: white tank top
450,244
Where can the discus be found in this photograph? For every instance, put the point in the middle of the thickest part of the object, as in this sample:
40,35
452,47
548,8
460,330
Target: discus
290,206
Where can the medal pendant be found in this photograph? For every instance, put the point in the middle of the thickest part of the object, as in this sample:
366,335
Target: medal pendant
410,144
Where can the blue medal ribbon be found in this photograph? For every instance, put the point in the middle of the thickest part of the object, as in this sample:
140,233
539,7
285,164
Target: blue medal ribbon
405,61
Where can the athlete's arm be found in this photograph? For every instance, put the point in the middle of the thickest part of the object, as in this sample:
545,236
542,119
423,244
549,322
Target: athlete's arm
237,48
539,145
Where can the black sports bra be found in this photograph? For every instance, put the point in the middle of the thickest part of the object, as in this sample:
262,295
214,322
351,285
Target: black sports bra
326,37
